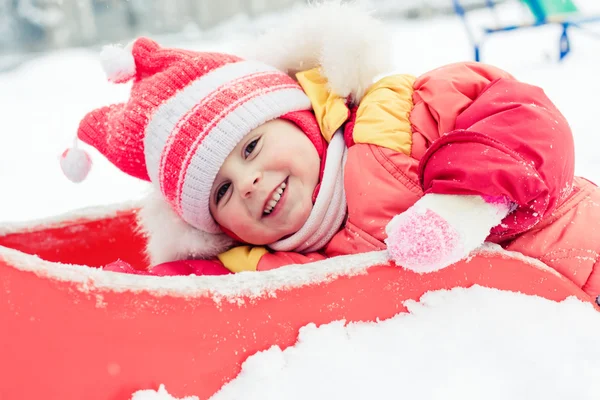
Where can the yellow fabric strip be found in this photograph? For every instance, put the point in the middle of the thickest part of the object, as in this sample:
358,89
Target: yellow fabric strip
242,258
382,117
329,108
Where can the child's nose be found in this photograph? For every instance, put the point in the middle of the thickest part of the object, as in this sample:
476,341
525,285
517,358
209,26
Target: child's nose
251,184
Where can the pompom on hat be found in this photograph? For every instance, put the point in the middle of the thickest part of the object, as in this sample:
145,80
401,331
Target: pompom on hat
186,112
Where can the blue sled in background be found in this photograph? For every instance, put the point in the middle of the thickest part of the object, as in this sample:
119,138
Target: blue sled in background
561,12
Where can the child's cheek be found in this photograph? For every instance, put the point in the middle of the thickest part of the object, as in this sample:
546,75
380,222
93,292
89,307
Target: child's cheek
242,225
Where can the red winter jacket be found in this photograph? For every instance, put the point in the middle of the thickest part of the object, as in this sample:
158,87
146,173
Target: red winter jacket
465,128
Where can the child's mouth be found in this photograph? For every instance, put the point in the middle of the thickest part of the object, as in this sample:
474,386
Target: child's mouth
275,198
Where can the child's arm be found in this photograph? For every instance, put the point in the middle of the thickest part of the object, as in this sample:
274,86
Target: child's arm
503,147
238,259
252,258
172,268
509,141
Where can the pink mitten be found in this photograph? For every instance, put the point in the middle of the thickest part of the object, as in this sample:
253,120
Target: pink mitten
439,230
422,241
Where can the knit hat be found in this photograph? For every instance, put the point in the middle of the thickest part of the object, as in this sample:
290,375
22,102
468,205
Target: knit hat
186,112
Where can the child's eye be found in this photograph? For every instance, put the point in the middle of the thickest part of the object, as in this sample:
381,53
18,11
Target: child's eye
250,148
221,192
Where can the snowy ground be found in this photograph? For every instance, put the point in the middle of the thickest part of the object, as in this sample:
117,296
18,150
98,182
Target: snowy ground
464,344
449,347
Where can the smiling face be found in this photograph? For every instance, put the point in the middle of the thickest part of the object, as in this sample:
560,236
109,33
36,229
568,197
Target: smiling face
263,191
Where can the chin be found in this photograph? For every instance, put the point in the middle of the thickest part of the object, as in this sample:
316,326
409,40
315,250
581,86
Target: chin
289,232
263,241
302,217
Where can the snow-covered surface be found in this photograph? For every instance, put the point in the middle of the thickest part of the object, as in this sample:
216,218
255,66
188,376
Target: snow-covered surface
464,344
83,213
230,288
160,394
475,343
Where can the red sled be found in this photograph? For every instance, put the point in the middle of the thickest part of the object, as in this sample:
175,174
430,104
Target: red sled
70,331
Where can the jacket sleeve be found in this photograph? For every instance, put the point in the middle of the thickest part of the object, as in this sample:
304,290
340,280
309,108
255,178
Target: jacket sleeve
172,268
238,259
502,138
252,258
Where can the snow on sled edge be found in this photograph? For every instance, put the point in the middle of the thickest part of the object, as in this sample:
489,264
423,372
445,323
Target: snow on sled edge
78,332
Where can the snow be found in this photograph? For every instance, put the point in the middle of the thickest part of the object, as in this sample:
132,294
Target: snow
160,394
237,288
234,288
91,213
464,343
467,344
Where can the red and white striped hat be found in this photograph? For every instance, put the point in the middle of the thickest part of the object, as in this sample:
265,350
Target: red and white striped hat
187,111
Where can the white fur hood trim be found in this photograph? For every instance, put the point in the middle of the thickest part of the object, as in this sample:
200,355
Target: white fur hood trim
349,45
170,238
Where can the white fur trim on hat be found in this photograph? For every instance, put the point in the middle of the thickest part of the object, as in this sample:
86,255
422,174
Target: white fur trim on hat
351,46
118,63
170,238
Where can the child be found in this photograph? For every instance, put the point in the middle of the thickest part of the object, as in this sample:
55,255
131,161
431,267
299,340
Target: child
254,168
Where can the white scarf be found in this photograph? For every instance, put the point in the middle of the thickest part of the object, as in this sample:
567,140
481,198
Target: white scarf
329,210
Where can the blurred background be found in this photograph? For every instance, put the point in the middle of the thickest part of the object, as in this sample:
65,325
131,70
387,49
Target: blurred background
50,75
28,27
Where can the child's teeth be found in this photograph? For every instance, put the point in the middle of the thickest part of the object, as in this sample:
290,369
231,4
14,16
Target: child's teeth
276,197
